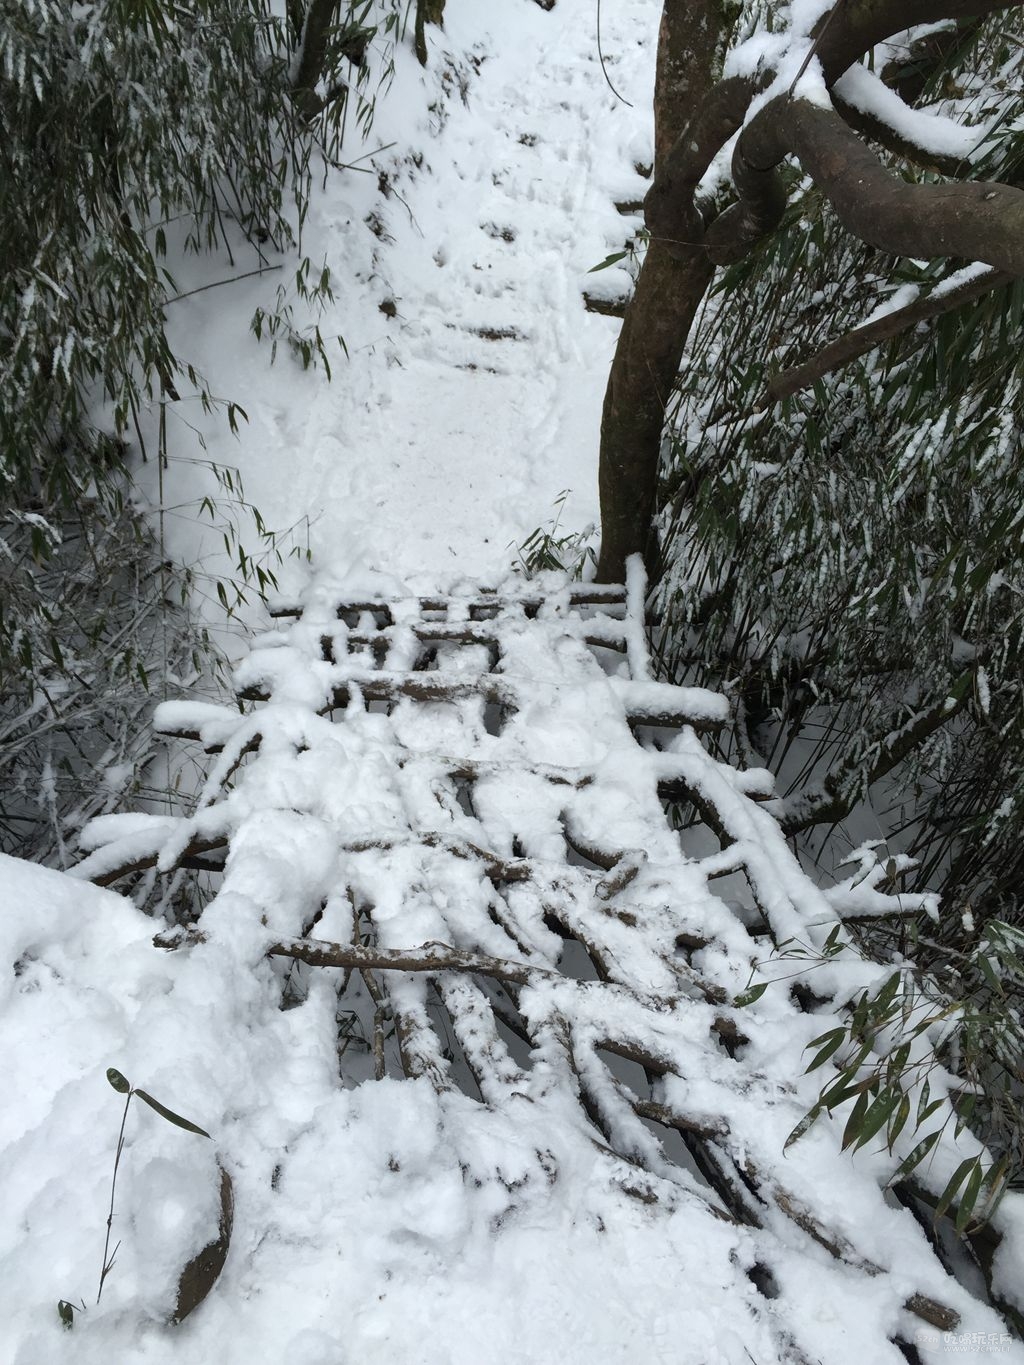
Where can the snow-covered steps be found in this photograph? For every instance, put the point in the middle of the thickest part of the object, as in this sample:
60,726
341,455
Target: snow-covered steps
443,821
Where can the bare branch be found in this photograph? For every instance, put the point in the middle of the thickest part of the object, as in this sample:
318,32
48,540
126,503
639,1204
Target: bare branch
927,1309
865,338
432,958
885,135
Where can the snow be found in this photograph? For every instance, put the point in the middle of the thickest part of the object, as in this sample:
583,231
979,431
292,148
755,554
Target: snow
927,129
449,432
404,1221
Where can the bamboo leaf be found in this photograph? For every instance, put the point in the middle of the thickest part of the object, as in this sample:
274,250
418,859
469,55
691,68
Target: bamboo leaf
748,997
613,259
922,1103
918,1154
899,1121
854,1124
833,1041
171,1116
877,1115
953,1184
969,1198
120,1084
805,1123
887,994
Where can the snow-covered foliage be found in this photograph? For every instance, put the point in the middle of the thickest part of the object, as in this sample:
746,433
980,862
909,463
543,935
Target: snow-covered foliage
850,556
135,134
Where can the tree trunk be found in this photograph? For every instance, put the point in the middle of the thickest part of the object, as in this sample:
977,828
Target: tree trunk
673,280
427,12
316,27
647,357
695,115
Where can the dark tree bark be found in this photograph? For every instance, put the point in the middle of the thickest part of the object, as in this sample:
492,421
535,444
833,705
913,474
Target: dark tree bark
316,24
427,12
866,337
674,279
695,114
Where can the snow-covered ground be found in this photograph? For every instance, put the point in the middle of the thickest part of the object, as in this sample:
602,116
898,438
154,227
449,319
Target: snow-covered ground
468,401
454,425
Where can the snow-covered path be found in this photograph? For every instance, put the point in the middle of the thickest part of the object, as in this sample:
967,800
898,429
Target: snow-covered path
453,426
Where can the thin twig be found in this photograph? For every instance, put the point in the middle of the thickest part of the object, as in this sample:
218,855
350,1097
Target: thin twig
604,69
233,279
814,47
108,1264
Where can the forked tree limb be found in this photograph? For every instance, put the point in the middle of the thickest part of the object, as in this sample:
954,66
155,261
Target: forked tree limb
862,24
188,857
978,222
669,210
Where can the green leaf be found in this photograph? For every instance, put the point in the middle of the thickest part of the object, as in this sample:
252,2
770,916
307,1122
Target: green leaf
899,1122
855,1123
805,1123
928,1111
964,1112
833,1041
953,1184
748,997
843,1087
66,1313
887,994
831,946
171,1116
995,1181
969,1198
118,1081
919,1153
922,1103
615,257
878,1114
988,972
897,1062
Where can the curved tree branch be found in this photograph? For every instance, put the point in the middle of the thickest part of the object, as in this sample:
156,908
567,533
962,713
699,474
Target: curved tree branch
863,24
865,338
976,221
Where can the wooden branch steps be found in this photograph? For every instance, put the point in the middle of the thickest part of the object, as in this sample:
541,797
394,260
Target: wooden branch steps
455,803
